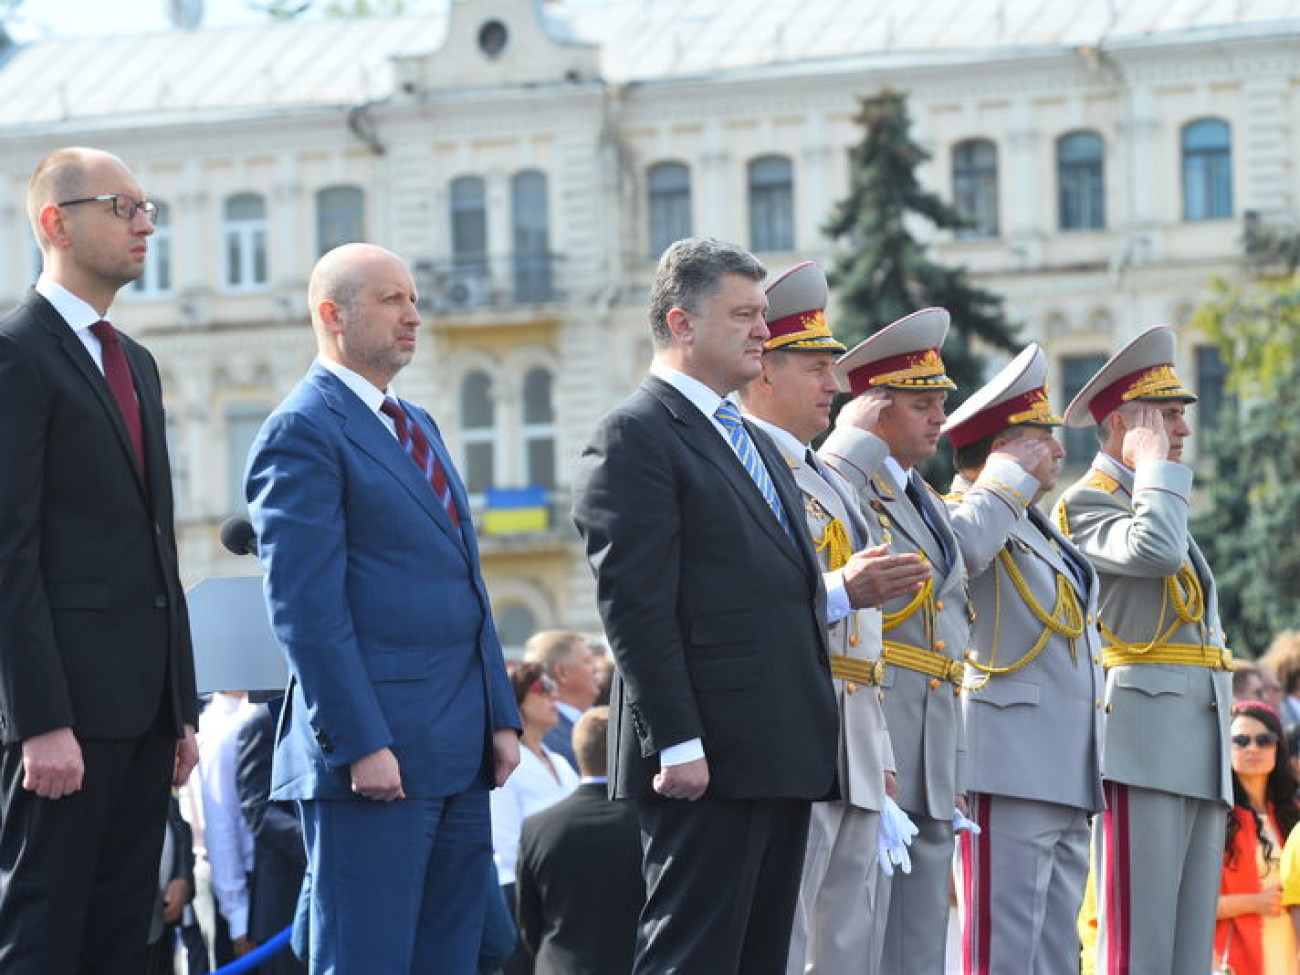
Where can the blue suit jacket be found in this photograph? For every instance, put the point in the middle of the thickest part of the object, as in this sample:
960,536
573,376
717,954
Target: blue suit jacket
376,600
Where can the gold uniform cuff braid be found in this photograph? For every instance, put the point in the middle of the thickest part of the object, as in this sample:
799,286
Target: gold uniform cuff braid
854,669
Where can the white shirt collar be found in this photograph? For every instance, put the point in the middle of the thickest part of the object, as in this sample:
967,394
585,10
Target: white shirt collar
704,398
363,387
568,710
77,312
790,445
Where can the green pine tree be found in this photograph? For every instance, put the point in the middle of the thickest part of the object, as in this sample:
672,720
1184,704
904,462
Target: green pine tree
886,273
1248,527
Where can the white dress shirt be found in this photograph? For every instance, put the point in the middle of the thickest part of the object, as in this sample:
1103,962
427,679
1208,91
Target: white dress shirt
77,313
530,789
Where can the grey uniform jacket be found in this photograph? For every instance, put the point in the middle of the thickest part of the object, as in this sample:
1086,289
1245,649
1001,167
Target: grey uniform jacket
1166,724
923,714
1036,732
865,753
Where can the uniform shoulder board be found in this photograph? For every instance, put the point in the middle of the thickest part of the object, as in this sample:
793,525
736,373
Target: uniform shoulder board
1101,481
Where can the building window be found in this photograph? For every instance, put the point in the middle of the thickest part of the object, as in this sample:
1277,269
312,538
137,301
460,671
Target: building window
243,421
539,429
669,206
245,243
975,186
515,624
477,432
1080,442
771,204
469,224
532,236
340,217
1211,388
157,276
1207,170
1079,159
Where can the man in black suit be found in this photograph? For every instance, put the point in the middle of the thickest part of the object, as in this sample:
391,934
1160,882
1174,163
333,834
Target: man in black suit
724,721
279,857
580,888
97,700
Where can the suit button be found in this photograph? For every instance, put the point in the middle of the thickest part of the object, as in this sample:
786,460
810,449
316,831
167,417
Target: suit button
934,683
941,645
853,639
939,605
1214,705
160,601
850,688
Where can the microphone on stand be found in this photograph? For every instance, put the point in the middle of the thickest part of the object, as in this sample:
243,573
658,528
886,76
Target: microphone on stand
238,537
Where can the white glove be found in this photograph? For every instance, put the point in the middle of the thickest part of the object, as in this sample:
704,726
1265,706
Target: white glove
895,836
960,822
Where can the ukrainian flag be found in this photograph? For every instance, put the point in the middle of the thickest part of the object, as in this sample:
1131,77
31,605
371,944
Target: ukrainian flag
513,510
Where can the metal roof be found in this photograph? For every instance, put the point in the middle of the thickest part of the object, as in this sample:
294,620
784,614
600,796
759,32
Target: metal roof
278,66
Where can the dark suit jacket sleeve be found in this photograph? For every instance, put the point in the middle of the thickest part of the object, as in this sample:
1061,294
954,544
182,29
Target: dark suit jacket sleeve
296,497
34,694
271,823
626,507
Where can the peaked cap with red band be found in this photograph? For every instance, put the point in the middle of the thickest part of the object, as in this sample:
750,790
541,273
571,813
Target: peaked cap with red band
1016,396
904,355
1142,370
796,312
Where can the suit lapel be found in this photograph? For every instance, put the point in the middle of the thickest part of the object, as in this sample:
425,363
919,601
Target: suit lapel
698,432
905,517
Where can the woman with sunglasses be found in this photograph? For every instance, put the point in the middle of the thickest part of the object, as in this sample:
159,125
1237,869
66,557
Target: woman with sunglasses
542,779
1253,934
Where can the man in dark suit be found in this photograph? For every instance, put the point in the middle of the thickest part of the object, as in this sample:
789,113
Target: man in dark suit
569,663
97,699
724,723
399,716
580,888
278,855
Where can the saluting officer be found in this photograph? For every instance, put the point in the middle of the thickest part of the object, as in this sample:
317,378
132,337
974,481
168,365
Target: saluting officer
1032,701
1165,761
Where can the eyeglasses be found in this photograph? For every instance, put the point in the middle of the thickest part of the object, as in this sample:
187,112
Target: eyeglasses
543,685
1265,739
123,205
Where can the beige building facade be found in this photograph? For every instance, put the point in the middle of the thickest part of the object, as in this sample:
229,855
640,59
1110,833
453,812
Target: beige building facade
531,160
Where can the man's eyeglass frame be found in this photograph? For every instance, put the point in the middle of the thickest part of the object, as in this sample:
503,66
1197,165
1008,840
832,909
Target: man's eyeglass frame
123,205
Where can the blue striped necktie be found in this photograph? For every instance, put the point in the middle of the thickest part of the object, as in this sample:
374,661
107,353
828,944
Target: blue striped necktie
729,417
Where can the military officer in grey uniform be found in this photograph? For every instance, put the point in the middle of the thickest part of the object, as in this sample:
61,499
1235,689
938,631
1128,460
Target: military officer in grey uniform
791,401
1159,849
925,633
1032,701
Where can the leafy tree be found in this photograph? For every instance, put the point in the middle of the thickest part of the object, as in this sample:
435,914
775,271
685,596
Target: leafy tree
886,272
1249,524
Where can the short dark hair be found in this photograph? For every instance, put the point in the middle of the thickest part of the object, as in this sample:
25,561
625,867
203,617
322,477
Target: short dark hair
522,679
689,273
589,740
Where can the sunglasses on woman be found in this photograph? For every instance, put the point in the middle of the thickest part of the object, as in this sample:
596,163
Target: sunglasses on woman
1265,739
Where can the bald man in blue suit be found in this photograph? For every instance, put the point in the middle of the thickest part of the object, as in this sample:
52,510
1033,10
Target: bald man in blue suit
399,716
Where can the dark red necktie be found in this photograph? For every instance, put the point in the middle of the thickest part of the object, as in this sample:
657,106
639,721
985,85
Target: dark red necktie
118,373
416,445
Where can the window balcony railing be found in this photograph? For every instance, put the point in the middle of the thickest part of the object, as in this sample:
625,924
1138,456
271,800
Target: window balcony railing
481,281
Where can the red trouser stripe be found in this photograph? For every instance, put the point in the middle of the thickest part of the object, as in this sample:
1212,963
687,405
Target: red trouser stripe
977,882
1116,877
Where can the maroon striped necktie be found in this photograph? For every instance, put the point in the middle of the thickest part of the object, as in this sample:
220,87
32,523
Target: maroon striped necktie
416,445
118,373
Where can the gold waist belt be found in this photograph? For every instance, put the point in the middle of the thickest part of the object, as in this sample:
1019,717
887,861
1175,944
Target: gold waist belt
862,671
1183,654
926,662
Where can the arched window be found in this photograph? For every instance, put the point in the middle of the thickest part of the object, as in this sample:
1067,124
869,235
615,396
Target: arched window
245,250
1081,181
157,276
515,624
668,186
477,432
975,186
1207,170
340,216
539,429
532,256
771,204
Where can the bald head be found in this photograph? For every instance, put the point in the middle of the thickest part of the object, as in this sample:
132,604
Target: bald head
363,310
64,174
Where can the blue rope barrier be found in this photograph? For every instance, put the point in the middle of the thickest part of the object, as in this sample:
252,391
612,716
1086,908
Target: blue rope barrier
258,955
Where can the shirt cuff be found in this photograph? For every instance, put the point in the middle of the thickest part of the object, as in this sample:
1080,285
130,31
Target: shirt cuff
837,597
680,754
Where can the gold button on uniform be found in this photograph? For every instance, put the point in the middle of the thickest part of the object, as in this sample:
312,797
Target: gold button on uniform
934,683
850,688
941,645
853,639
939,605
1098,702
